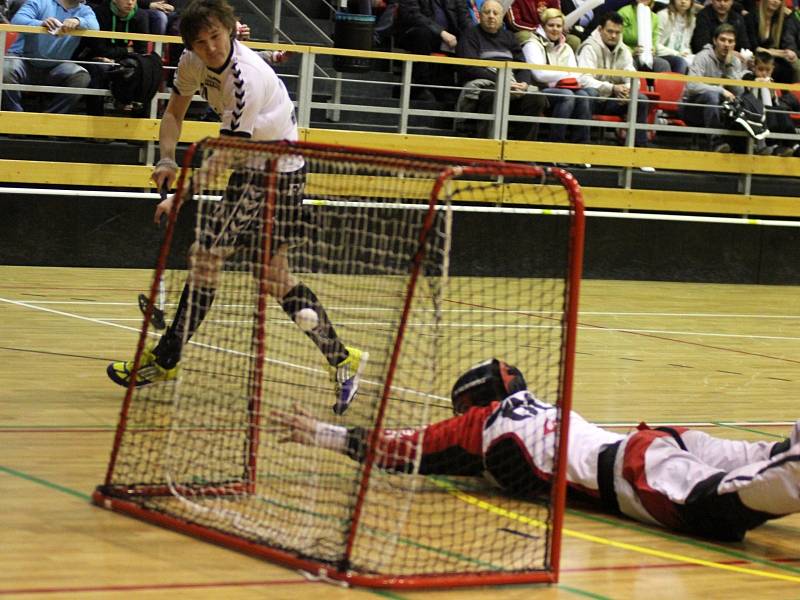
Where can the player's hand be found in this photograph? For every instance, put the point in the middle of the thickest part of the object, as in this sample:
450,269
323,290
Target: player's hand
242,31
164,173
300,426
164,208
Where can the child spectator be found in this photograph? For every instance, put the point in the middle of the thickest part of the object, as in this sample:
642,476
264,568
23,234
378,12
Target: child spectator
675,35
777,106
59,17
566,98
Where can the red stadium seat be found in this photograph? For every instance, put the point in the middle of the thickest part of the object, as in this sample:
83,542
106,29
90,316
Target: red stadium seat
670,94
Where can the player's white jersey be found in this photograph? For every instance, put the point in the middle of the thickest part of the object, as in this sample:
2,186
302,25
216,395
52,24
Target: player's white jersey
245,93
532,423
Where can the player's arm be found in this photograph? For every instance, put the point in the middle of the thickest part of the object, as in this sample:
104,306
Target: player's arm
166,169
449,447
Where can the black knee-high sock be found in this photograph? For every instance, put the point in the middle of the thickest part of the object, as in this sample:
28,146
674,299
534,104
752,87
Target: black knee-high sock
323,335
168,350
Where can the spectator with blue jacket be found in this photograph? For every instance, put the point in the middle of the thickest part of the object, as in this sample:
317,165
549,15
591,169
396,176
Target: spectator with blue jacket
46,54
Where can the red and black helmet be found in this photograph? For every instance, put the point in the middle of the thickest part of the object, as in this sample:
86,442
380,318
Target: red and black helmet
488,381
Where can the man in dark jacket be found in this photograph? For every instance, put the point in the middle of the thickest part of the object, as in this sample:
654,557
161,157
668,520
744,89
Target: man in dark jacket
711,17
489,41
426,27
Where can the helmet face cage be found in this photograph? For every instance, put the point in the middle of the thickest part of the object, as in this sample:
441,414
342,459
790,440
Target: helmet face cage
489,381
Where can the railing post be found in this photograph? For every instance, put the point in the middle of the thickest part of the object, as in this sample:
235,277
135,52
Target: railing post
405,95
2,63
305,90
502,93
630,136
276,20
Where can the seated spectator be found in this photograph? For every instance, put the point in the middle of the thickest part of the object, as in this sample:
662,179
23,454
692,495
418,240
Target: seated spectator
711,17
123,16
604,49
765,28
715,60
790,40
525,16
777,106
426,27
567,100
676,26
489,41
644,51
161,16
59,17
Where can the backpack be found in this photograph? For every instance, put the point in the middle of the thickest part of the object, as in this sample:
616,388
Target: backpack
136,78
746,113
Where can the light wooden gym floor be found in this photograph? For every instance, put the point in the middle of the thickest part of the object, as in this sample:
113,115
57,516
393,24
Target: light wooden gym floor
723,357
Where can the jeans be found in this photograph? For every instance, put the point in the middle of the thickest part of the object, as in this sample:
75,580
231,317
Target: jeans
17,71
569,104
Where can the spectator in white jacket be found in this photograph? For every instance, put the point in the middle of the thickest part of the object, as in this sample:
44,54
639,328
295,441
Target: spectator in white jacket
675,35
548,46
604,49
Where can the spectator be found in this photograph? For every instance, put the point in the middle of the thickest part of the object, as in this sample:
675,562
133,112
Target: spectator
426,27
489,41
644,53
123,16
777,106
567,100
604,49
715,60
765,28
161,16
48,52
525,16
790,40
711,17
675,35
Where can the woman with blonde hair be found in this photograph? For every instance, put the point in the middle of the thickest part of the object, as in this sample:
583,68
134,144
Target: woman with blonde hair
765,29
548,46
676,26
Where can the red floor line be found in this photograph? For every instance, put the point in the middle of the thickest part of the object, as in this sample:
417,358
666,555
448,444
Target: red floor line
154,586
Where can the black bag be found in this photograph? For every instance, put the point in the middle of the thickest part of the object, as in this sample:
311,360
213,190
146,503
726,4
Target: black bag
136,78
747,113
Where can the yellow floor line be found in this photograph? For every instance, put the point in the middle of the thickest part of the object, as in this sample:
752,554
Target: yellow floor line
509,514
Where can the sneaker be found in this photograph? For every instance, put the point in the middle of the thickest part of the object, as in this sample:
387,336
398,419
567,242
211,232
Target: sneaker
346,377
764,150
783,151
647,169
149,371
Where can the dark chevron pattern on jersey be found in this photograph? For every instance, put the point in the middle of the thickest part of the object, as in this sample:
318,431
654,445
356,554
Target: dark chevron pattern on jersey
238,83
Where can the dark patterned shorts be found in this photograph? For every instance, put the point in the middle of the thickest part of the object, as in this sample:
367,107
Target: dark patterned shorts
238,220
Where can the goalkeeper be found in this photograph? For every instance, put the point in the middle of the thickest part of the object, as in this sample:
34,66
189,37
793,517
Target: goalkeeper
252,103
682,479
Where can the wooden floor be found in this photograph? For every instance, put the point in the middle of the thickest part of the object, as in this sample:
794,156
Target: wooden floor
722,357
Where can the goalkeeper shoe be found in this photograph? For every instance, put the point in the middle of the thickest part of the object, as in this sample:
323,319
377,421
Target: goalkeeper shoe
346,377
149,371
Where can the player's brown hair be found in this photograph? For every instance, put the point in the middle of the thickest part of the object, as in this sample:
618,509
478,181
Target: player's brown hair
198,15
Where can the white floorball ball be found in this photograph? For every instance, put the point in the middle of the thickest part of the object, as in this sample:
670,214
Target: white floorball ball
306,319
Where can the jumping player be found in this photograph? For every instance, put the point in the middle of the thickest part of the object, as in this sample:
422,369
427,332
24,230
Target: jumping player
252,103
682,479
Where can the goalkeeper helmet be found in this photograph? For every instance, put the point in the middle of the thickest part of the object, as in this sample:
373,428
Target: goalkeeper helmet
488,381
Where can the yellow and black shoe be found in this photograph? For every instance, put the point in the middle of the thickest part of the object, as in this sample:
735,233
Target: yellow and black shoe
346,377
149,371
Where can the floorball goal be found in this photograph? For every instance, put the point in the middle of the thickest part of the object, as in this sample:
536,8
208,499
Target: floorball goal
427,264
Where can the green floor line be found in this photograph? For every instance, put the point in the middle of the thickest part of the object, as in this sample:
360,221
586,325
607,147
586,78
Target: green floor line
748,429
45,483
